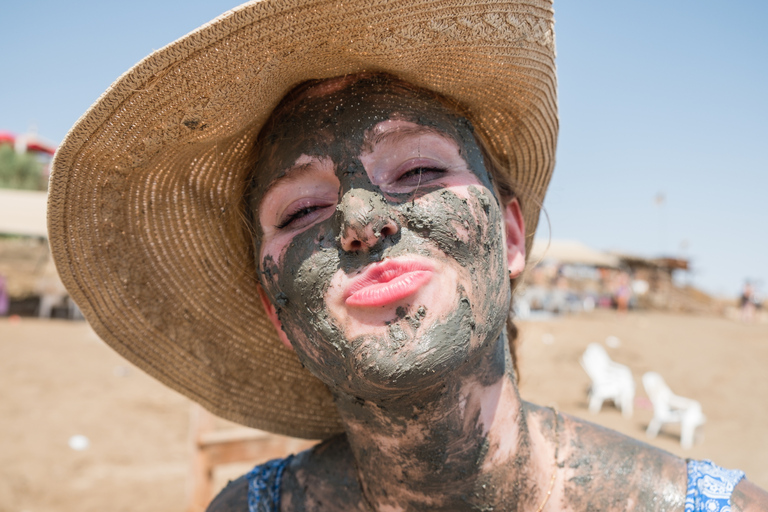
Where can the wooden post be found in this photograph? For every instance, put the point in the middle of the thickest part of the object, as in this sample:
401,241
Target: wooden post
201,472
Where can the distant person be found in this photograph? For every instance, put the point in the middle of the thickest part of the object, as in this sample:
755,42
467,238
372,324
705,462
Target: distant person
623,292
5,300
747,303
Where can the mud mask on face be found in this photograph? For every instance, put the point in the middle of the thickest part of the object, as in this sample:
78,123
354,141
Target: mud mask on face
457,228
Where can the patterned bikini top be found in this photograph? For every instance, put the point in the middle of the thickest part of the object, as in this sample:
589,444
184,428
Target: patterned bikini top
709,486
264,485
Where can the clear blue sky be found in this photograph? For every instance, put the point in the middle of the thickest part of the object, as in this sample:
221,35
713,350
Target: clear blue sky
656,97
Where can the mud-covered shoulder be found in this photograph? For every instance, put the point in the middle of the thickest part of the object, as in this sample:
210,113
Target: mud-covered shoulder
606,470
233,498
747,497
322,478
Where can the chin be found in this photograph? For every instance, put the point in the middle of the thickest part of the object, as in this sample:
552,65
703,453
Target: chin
414,352
386,352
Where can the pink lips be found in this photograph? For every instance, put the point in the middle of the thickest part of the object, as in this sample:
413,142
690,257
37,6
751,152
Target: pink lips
387,282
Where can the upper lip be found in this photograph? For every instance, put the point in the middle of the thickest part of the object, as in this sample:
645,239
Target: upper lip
383,272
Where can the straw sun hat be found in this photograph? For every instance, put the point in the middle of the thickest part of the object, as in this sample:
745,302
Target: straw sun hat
146,208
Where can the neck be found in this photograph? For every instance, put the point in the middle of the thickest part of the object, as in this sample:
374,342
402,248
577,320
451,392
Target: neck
464,445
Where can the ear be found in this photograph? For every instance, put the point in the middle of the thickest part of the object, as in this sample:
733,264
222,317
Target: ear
515,235
269,308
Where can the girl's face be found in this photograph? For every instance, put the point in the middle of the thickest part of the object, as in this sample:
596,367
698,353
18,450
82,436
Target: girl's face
382,247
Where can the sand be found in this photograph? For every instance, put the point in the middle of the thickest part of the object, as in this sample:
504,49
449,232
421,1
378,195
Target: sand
58,380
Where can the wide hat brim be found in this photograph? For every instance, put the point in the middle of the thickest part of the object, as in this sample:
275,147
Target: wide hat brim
146,211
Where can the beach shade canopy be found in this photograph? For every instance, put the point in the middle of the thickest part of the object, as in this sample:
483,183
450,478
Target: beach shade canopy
27,142
570,252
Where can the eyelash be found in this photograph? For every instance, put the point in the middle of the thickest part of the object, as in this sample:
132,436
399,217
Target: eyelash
420,171
298,214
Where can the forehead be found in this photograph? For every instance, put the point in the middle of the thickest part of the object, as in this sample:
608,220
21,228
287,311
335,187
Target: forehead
334,119
355,102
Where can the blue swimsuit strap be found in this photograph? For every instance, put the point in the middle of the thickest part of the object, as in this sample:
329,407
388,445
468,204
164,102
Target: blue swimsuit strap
710,486
264,485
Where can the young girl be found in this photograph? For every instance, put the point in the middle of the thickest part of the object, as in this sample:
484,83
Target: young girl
309,216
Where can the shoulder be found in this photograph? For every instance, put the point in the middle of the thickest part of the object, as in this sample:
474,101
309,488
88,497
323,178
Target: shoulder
322,476
747,497
233,498
257,490
309,481
606,470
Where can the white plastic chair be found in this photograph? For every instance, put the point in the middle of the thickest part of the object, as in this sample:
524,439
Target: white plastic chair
610,381
670,408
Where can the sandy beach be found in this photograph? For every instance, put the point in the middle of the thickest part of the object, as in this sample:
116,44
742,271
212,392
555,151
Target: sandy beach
58,380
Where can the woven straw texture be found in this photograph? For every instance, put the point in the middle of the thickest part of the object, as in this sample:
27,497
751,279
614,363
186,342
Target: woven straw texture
146,198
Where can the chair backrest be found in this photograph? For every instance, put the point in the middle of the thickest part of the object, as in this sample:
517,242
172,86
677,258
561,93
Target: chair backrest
595,361
657,390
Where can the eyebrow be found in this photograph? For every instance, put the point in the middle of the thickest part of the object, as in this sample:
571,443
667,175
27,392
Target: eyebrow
291,174
400,133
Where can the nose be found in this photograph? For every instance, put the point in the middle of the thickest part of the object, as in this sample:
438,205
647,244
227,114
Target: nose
365,219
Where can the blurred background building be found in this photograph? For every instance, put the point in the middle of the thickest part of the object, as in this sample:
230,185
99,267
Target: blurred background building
29,283
566,276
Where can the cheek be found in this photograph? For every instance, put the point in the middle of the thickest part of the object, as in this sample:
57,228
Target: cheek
277,247
296,270
463,221
466,224
303,282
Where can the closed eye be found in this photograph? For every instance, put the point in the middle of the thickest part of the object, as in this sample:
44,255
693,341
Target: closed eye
420,175
301,216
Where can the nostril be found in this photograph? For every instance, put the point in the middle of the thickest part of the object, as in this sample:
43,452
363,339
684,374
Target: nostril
361,234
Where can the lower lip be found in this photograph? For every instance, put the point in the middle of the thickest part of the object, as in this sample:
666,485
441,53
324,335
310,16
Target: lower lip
382,294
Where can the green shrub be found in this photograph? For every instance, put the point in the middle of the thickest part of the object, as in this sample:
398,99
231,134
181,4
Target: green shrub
21,170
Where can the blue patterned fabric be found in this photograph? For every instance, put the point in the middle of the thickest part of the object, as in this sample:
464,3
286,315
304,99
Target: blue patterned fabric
710,487
264,485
